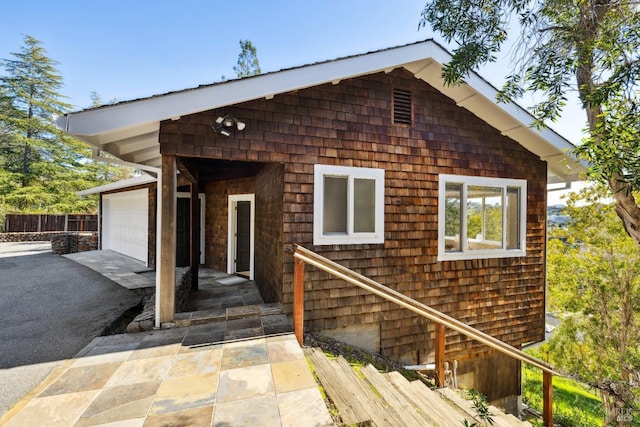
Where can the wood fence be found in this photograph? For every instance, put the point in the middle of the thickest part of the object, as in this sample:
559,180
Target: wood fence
37,223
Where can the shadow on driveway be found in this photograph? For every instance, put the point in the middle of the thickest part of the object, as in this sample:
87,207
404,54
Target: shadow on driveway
51,307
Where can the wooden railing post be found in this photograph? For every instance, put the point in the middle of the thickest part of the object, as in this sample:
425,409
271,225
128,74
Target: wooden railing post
547,398
441,320
298,299
440,346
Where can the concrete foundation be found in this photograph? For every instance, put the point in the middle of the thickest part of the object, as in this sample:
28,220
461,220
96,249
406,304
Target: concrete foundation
496,376
365,337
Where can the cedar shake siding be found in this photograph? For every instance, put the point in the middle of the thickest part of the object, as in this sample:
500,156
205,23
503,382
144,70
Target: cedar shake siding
216,218
351,124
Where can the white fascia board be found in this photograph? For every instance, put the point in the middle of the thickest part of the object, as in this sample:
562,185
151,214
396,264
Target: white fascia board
118,185
424,60
479,97
482,102
152,110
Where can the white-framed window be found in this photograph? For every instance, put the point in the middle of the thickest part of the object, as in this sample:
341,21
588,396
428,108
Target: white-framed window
348,205
481,217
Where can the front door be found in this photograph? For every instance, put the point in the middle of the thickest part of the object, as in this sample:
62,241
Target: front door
241,232
243,237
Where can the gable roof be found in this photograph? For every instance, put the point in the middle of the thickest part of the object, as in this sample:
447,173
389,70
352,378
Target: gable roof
130,130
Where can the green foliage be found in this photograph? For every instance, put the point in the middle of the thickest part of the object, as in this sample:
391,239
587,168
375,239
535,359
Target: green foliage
97,101
594,284
41,168
481,406
492,221
452,214
587,46
558,39
617,124
248,64
574,404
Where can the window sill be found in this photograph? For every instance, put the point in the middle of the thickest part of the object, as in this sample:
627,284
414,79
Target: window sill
347,240
480,254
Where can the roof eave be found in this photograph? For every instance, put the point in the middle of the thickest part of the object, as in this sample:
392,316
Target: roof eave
177,104
136,123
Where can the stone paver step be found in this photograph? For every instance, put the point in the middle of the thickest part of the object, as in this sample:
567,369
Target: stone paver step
176,377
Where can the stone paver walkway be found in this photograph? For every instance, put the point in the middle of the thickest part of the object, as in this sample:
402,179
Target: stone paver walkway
176,377
235,363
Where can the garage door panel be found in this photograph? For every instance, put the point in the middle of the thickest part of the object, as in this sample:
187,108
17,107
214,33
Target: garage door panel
125,225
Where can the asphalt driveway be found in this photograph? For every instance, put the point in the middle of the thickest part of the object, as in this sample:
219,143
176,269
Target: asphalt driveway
50,308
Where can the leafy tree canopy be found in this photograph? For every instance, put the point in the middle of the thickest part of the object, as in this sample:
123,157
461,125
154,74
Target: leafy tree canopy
588,46
598,302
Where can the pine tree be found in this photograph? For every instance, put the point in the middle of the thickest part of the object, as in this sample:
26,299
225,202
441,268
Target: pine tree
31,86
248,64
42,167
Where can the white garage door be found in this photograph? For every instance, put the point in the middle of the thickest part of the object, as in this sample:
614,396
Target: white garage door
125,226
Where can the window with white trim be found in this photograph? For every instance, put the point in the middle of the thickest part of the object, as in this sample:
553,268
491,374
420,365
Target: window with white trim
481,217
348,205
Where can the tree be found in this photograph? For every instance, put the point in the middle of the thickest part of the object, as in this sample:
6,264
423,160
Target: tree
97,101
589,46
31,86
248,64
599,337
42,167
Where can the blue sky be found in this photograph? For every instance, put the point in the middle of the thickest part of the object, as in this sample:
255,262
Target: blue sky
137,48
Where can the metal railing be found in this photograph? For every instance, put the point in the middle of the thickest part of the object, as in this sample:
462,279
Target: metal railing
304,256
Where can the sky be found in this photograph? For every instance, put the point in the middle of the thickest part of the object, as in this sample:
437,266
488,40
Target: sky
137,48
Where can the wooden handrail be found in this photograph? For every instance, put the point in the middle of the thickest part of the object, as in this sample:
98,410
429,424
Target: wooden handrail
303,255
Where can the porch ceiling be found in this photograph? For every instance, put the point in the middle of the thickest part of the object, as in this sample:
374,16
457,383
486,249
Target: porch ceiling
130,130
209,170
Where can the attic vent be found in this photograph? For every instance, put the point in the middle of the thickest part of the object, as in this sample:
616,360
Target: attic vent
401,107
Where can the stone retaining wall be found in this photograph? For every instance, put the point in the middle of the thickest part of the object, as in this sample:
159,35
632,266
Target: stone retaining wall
69,243
145,321
62,242
30,237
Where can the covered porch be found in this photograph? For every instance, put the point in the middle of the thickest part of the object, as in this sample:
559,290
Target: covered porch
231,304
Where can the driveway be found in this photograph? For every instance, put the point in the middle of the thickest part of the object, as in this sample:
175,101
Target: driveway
50,308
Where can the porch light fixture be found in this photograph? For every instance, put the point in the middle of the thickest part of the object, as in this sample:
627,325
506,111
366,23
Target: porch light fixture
223,125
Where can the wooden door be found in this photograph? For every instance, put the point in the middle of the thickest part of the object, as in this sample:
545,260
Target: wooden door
243,236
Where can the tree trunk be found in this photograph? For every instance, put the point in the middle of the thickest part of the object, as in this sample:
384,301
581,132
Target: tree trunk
617,400
26,157
626,206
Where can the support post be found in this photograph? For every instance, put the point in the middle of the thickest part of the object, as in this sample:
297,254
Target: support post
298,299
547,399
440,356
195,235
166,267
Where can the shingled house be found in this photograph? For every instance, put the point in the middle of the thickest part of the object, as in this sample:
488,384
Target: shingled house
371,161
